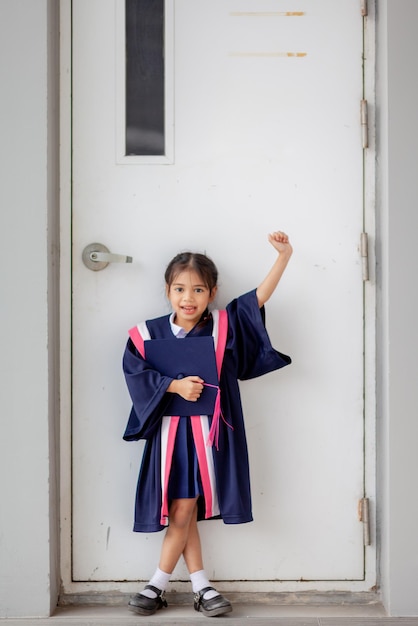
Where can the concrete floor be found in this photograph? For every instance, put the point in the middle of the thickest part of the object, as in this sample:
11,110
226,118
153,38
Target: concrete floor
242,615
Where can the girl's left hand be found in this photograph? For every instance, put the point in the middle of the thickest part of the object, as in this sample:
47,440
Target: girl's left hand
280,241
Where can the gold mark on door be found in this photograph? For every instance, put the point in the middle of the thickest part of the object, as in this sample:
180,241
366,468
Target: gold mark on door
267,13
268,54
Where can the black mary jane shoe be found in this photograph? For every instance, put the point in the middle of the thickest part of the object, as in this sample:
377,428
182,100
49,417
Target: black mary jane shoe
218,605
142,605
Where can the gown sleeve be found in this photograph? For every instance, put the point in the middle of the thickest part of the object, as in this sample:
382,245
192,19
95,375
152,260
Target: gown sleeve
147,389
248,340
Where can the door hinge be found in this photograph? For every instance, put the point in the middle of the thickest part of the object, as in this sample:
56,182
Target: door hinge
364,517
364,8
364,253
364,124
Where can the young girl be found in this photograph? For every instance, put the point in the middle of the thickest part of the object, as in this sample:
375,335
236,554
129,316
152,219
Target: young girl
196,466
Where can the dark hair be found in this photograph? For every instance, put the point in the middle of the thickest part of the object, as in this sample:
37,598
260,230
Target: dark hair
199,263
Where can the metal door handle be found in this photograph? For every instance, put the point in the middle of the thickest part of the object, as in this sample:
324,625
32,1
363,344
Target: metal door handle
96,257
108,257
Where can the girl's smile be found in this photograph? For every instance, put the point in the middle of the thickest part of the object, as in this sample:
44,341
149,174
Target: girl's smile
189,297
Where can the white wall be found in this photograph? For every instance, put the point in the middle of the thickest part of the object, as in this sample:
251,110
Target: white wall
28,505
398,302
28,554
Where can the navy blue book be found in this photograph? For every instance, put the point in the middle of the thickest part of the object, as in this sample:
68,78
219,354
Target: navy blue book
178,358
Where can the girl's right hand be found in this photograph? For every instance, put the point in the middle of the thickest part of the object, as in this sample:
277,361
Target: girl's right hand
190,387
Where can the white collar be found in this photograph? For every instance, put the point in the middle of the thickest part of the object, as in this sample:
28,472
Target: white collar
178,331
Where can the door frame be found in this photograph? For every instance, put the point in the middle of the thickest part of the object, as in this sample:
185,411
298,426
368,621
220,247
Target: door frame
371,552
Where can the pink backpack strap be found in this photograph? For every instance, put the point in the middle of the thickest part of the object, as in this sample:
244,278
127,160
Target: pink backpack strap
138,335
222,337
221,334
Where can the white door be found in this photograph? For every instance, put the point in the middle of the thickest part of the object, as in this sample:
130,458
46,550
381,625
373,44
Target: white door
262,132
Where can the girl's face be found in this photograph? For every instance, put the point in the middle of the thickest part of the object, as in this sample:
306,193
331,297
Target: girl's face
189,298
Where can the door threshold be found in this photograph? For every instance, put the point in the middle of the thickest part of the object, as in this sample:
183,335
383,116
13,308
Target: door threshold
367,600
255,610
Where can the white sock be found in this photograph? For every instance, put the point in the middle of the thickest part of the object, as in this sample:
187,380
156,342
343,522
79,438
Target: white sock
200,581
159,580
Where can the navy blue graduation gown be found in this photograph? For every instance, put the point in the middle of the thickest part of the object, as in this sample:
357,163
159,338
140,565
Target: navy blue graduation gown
248,354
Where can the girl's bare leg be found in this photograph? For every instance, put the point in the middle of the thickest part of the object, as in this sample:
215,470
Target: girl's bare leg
192,552
181,514
206,599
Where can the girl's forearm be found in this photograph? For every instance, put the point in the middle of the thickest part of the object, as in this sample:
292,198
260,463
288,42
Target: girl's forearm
269,284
